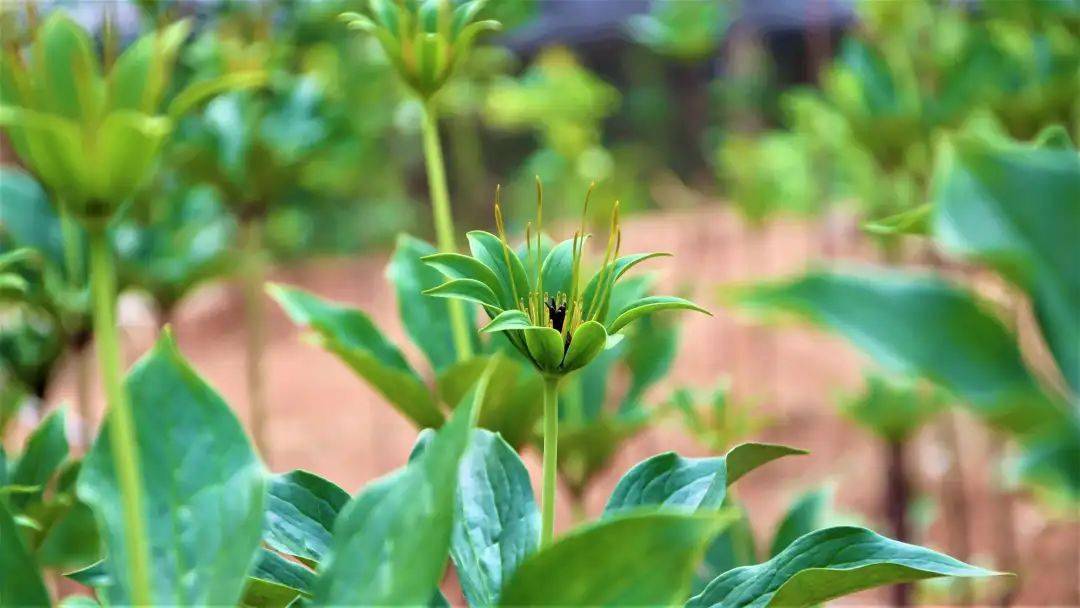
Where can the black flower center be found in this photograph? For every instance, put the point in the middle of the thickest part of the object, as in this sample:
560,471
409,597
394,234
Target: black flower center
557,313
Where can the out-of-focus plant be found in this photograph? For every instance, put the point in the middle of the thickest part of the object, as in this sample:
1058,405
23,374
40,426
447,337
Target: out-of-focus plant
91,131
911,70
564,105
1010,206
685,29
714,418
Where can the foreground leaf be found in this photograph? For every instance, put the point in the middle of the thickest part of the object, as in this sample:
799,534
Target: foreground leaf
643,559
828,564
672,481
496,523
351,335
45,449
803,517
300,511
391,541
20,581
203,487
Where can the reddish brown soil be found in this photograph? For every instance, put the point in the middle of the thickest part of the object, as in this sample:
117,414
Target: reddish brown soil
326,420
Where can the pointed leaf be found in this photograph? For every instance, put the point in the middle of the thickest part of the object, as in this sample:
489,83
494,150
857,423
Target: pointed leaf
497,522
487,248
828,564
351,335
643,559
272,567
203,487
135,81
512,404
460,266
468,290
300,511
508,320
391,541
609,275
689,484
558,268
649,305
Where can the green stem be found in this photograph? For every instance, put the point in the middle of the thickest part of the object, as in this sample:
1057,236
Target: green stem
253,272
121,425
551,459
444,221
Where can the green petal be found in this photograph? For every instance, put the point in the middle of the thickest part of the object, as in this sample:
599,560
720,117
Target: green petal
587,342
613,272
508,320
649,305
466,289
545,348
487,248
459,266
558,268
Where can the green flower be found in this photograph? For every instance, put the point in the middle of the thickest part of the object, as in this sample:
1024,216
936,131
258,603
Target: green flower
424,39
92,134
549,312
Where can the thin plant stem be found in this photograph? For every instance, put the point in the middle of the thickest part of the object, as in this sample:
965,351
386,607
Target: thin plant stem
254,317
444,221
551,460
897,497
122,438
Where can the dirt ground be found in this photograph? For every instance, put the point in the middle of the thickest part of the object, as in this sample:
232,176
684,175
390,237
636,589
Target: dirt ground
326,420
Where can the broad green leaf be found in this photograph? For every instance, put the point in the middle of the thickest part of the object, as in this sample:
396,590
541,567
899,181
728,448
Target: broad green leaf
496,522
46,448
354,338
468,290
487,248
746,457
508,320
20,581
95,575
647,306
1017,208
29,218
804,516
641,559
425,319
688,484
260,593
272,567
203,487
587,342
300,511
391,541
828,564
922,326
650,352
198,92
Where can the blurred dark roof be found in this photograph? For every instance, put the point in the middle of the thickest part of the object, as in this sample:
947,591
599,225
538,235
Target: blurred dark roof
575,22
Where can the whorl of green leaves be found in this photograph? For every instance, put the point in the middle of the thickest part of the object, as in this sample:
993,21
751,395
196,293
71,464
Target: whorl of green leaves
424,39
92,132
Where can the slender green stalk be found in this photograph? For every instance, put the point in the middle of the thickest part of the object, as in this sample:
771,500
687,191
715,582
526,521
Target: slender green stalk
444,221
121,425
254,317
551,459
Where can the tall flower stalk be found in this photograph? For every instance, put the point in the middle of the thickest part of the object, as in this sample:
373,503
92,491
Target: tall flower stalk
425,40
541,303
122,437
